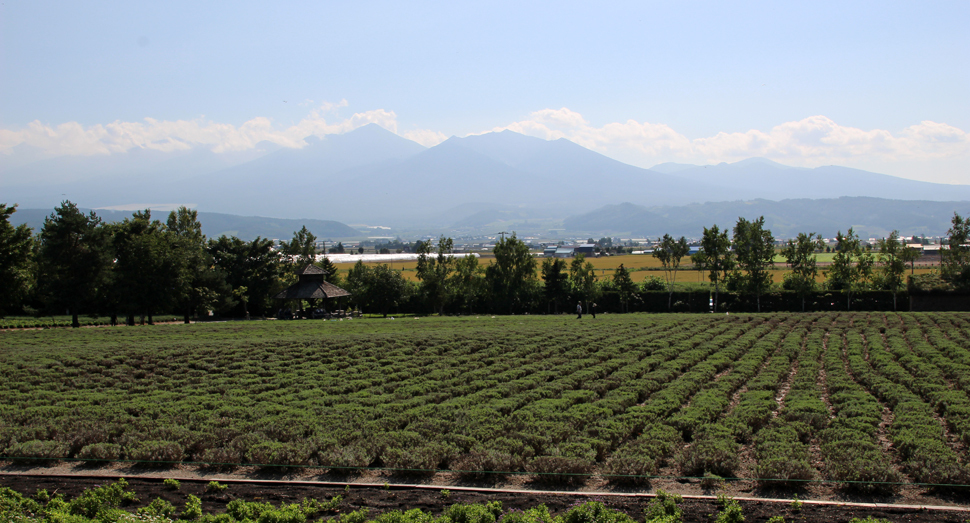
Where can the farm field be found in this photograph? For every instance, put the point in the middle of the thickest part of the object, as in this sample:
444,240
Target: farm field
46,322
643,267
867,402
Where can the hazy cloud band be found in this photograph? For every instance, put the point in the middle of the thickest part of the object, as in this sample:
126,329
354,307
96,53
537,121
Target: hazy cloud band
813,141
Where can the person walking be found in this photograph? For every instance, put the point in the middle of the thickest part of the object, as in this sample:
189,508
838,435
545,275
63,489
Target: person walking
592,310
579,310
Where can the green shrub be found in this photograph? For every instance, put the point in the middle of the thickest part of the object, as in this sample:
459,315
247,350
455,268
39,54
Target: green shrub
538,514
594,512
415,515
13,503
171,484
215,486
715,450
156,452
93,501
100,452
664,505
357,516
487,512
242,510
423,459
276,454
633,462
158,507
730,511
221,458
37,451
113,515
312,507
283,514
561,469
193,509
485,464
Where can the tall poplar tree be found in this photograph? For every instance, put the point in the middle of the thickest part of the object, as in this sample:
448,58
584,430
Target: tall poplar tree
716,257
955,262
556,278
582,279
754,247
468,282
624,285
800,256
851,267
434,268
512,277
893,263
670,251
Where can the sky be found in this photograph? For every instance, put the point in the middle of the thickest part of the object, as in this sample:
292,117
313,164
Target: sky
881,86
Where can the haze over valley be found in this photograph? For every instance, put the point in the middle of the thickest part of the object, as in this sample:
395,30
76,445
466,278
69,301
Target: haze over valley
502,179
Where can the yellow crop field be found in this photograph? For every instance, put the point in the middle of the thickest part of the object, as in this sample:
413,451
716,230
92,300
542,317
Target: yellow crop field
643,266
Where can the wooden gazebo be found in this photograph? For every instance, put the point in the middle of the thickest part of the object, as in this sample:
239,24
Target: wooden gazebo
311,286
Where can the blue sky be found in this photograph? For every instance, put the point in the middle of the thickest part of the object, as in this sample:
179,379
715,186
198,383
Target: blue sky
881,86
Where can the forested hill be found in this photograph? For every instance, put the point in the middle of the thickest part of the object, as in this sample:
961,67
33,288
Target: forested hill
875,217
216,224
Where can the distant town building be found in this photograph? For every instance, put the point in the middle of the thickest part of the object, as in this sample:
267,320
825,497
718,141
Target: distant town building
568,251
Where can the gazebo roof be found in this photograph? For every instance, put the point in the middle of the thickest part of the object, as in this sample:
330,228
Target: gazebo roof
311,286
311,290
311,269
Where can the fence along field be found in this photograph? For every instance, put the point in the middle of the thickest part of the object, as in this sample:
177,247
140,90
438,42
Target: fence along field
866,400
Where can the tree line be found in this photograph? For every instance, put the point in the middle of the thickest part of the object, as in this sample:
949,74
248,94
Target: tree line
739,260
142,267
741,263
138,268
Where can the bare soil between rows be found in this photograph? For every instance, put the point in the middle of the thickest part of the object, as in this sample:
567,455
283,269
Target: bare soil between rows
380,491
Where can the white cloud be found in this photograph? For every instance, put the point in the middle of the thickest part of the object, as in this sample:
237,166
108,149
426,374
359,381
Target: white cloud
74,139
818,140
563,118
813,141
928,150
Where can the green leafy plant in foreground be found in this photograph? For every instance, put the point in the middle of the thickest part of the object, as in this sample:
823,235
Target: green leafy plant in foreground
93,501
215,486
158,508
665,507
730,510
193,509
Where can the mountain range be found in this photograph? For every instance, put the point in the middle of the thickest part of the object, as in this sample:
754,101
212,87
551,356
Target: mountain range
373,176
